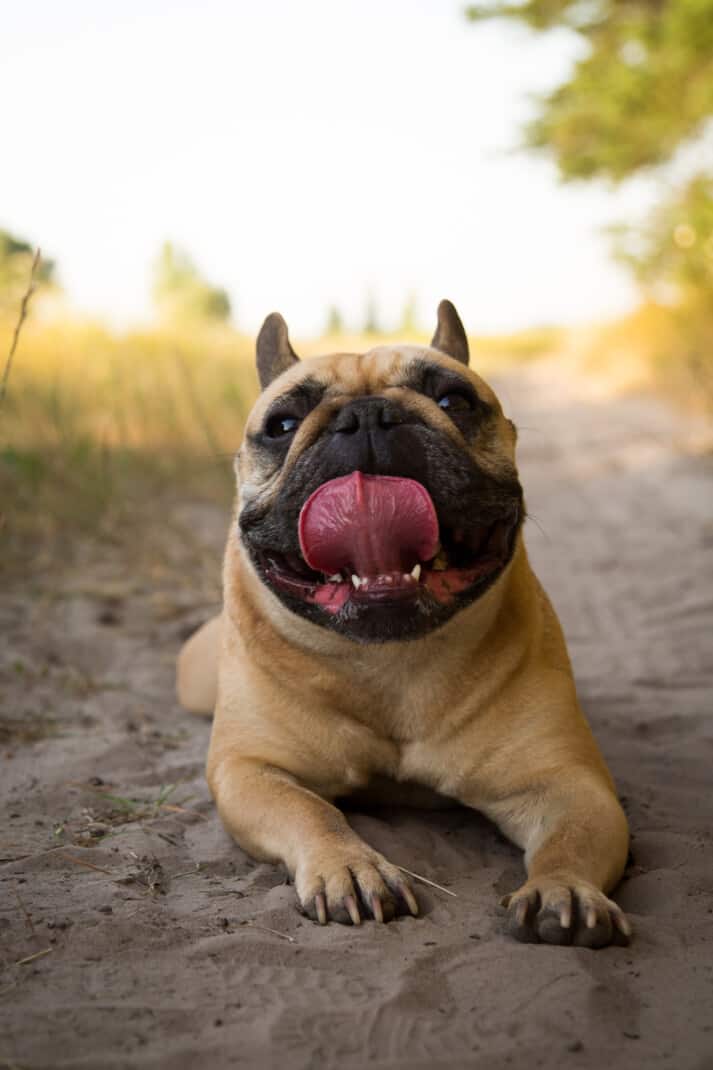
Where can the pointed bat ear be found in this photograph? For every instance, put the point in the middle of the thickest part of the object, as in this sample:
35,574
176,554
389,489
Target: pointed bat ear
450,337
274,352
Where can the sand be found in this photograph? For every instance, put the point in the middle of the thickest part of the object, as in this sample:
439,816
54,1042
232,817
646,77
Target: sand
136,934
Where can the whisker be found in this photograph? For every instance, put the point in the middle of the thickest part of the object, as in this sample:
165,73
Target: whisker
530,516
536,430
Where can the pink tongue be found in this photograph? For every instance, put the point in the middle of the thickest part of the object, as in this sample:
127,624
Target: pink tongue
369,525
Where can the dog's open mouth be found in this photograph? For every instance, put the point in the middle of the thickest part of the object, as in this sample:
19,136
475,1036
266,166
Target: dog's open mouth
372,540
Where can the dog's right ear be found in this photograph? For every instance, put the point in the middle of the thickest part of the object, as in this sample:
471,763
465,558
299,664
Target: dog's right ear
274,352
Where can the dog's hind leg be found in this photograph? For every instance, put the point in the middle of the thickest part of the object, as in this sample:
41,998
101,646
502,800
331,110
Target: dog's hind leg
197,669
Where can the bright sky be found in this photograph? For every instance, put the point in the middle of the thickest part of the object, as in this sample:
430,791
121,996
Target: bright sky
304,154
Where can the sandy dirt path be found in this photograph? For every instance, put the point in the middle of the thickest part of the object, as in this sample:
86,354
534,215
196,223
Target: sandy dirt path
133,933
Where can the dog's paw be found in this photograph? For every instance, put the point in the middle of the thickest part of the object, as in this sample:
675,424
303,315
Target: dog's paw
348,884
563,909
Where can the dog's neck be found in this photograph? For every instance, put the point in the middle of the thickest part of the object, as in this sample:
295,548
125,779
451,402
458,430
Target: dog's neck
398,677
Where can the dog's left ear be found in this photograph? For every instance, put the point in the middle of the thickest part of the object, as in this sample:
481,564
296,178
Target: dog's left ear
274,352
450,337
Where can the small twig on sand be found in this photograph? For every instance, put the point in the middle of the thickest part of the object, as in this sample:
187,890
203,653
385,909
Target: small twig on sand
89,865
418,877
18,326
175,809
25,911
265,929
37,955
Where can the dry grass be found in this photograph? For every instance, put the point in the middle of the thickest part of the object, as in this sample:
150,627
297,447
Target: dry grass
668,350
24,304
489,353
492,353
98,431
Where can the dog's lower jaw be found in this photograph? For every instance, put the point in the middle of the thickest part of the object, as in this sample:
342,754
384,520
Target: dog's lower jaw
373,613
260,608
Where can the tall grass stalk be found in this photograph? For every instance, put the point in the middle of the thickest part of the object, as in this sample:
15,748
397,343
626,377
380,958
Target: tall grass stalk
18,326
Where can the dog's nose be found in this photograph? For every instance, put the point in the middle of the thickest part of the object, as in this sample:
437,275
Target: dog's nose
368,414
376,435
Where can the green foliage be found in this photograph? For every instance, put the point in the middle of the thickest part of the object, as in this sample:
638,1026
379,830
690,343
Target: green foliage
15,264
642,90
675,245
643,87
180,292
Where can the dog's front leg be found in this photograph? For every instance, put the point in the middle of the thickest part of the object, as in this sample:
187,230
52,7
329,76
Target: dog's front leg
337,876
575,837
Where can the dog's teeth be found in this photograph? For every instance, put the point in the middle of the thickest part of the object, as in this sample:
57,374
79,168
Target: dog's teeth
336,578
416,572
356,581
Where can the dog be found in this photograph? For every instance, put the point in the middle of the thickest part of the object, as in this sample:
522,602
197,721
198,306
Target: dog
381,624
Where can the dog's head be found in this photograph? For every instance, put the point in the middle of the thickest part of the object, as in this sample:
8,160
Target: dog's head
377,493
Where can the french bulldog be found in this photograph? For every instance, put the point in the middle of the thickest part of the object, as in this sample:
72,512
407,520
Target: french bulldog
382,625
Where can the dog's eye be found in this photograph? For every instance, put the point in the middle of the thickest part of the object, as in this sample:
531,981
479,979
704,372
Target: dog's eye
278,426
454,402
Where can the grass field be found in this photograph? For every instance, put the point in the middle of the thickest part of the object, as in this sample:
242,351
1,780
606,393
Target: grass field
98,430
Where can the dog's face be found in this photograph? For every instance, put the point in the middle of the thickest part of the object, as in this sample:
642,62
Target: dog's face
377,493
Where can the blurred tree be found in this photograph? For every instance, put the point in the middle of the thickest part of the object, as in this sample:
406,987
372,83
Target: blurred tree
674,247
15,263
642,90
335,321
643,86
181,293
371,317
409,315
